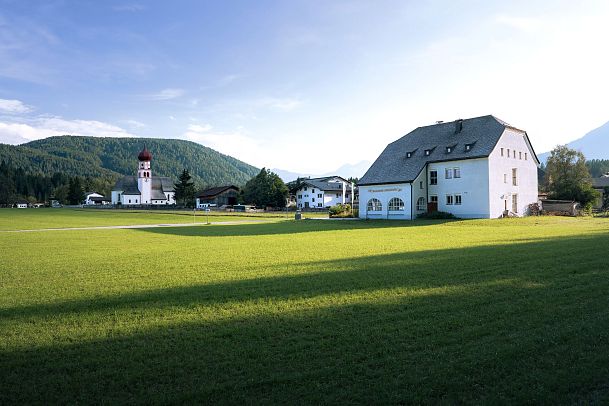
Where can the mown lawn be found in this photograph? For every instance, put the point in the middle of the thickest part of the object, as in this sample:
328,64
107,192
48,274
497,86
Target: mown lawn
34,219
490,311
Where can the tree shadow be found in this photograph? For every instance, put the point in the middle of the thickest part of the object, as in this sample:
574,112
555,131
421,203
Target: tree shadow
286,227
495,324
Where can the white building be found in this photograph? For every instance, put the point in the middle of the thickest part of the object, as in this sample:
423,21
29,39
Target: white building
93,198
324,192
144,189
476,168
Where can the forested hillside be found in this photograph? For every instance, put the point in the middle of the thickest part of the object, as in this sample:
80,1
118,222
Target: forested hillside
114,157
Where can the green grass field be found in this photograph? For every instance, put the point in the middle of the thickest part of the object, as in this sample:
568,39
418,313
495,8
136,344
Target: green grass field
342,312
33,219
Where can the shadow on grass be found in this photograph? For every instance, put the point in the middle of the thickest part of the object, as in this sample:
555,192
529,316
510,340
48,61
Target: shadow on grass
286,227
515,323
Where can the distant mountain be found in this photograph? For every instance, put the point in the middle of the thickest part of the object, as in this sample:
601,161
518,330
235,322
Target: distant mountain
594,145
115,157
351,170
346,171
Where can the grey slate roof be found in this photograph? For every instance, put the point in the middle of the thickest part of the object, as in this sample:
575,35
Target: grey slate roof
215,191
160,186
601,182
393,166
324,184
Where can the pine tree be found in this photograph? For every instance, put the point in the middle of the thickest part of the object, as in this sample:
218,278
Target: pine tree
185,189
76,193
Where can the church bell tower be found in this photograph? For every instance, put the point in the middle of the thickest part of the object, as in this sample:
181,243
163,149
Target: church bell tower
144,178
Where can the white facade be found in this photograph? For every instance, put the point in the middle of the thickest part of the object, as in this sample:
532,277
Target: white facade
320,194
487,187
512,152
144,182
384,194
88,197
143,189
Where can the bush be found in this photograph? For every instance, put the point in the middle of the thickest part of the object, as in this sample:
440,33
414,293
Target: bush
340,210
436,215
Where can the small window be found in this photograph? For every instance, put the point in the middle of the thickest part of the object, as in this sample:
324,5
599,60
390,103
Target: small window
374,205
305,188
427,152
505,178
457,199
320,195
338,195
457,172
396,204
433,199
501,151
449,199
448,173
421,204
514,177
409,155
300,196
468,147
515,203
318,204
525,156
312,190
449,150
313,199
433,177
519,155
421,185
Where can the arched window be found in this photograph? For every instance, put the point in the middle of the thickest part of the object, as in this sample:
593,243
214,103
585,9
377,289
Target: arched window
374,205
396,204
421,204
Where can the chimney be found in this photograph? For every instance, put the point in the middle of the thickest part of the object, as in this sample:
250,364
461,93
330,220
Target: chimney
458,126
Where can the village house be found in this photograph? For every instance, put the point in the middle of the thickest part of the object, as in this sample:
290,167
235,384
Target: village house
218,197
599,184
143,189
94,198
324,192
475,168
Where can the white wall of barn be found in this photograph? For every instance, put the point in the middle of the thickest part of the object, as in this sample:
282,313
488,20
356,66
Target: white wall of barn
384,193
472,186
512,152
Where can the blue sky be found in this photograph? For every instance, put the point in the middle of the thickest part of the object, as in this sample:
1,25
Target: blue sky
305,86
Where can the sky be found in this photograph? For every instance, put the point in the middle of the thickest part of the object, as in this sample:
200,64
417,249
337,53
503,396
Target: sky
305,86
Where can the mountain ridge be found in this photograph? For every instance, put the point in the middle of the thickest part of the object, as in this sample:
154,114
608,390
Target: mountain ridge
594,144
116,157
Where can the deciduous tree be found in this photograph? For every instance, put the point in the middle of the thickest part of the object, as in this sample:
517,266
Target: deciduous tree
266,189
568,178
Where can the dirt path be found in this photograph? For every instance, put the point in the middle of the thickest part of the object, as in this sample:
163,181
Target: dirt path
136,226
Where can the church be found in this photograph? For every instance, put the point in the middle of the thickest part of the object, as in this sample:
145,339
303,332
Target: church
143,189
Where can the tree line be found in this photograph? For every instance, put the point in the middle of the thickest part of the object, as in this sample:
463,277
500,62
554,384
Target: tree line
18,184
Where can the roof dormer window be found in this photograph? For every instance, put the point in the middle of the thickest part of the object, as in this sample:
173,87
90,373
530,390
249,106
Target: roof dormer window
427,152
450,149
468,147
409,155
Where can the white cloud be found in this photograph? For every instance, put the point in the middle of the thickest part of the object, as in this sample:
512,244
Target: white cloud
13,107
281,104
135,124
165,94
131,7
236,144
43,127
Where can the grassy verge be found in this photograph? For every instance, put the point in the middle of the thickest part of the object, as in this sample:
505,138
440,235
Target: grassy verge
499,311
